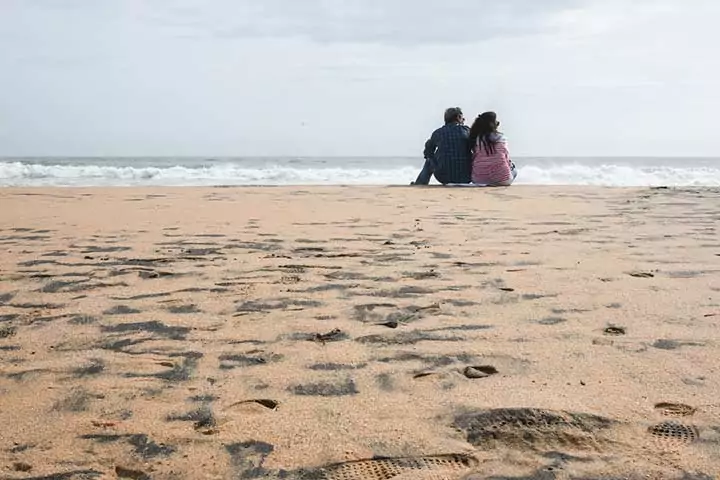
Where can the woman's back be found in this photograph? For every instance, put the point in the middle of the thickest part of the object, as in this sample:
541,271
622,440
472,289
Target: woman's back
491,161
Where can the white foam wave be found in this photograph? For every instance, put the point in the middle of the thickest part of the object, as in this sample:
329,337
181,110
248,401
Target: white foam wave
35,174
618,175
23,174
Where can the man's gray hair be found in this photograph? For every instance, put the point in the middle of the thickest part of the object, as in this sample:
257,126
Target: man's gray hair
452,113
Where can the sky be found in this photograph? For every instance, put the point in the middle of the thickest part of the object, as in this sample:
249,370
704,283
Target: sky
356,77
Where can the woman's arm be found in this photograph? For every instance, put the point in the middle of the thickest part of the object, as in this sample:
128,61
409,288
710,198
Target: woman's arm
505,150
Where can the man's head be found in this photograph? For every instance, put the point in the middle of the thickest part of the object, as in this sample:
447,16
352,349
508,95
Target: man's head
454,115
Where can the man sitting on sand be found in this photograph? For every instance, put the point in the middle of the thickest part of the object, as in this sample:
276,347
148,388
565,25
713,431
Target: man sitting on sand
447,155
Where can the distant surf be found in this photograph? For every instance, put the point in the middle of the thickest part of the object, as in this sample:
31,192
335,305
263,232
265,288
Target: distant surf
112,171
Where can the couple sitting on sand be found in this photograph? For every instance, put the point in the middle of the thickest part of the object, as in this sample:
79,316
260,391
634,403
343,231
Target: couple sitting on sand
456,154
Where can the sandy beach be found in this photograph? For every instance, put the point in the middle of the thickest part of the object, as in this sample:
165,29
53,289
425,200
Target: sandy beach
301,332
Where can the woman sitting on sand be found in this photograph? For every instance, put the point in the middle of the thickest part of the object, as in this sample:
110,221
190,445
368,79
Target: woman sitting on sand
491,164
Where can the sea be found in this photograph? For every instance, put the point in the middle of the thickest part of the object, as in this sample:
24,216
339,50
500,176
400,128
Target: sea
266,171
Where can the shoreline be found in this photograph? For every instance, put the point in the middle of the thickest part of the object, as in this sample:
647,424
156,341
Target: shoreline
435,189
479,189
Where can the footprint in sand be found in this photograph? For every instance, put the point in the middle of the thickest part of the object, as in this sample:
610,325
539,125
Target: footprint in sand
421,467
255,405
614,331
674,433
675,409
482,371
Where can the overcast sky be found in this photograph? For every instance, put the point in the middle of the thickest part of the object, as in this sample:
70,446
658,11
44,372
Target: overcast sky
356,77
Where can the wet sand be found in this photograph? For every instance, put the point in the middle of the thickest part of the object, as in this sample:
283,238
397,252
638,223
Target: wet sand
227,333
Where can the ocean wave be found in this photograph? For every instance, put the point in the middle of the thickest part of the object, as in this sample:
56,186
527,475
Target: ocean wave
29,174
619,175
606,174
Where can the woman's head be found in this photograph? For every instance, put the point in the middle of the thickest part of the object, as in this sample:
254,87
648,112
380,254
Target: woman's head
485,124
489,121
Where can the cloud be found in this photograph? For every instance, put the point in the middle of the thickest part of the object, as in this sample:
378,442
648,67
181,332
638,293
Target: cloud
354,77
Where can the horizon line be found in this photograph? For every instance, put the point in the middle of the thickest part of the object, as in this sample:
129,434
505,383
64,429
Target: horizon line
303,157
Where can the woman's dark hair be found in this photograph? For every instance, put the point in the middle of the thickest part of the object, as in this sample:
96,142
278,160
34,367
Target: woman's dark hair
482,127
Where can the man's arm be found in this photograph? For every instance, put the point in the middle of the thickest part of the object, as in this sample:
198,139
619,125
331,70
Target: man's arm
430,146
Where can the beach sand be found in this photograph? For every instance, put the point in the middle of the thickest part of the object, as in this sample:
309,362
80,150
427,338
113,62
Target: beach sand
277,332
